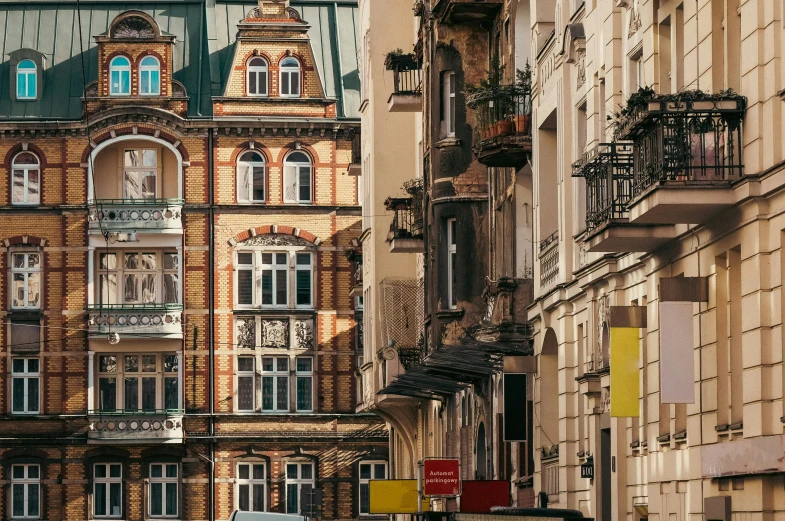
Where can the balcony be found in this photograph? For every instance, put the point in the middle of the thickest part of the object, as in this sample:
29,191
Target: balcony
407,82
139,320
356,166
607,170
467,11
549,260
161,426
406,230
132,215
687,155
502,137
357,279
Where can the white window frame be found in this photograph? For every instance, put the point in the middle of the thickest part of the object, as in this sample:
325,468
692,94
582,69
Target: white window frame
26,73
257,267
248,374
154,88
26,483
31,273
140,172
251,482
122,70
26,376
275,270
117,276
452,255
298,481
290,76
304,375
293,174
365,482
276,374
161,375
304,267
246,170
25,169
107,481
448,101
164,480
257,70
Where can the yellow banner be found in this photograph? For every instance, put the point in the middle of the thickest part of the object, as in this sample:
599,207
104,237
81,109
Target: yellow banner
395,496
625,379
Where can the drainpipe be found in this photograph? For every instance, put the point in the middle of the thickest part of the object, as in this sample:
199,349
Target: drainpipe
211,323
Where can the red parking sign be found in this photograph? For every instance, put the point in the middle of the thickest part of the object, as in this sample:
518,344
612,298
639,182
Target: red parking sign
441,477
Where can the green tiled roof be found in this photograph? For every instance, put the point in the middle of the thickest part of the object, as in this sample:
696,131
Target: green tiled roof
205,32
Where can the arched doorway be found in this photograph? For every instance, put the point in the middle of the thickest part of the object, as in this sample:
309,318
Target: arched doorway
482,453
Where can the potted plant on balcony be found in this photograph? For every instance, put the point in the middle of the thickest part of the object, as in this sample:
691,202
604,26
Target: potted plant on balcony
627,113
491,101
523,89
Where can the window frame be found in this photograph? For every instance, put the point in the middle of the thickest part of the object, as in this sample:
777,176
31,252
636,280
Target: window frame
26,376
26,482
107,481
285,76
305,375
149,69
26,169
27,272
251,482
140,172
245,188
298,167
365,482
27,72
120,374
298,481
449,102
248,374
290,269
163,480
452,256
121,70
257,70
120,274
276,374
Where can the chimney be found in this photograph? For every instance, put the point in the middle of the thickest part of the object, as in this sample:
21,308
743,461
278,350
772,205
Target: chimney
273,8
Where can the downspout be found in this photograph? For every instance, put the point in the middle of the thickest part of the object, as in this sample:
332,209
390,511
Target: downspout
211,323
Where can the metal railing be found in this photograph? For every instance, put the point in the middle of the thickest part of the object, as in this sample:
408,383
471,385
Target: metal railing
504,110
120,214
408,212
407,73
549,240
549,259
608,173
696,140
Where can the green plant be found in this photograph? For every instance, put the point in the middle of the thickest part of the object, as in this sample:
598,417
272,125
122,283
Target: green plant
391,56
489,87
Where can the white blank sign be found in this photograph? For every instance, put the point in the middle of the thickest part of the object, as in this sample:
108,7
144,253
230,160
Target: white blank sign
677,362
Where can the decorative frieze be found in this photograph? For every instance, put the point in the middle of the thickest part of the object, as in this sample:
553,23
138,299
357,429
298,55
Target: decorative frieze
279,332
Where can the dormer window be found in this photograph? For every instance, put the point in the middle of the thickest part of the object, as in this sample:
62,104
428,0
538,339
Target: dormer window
120,76
290,78
257,77
149,76
26,80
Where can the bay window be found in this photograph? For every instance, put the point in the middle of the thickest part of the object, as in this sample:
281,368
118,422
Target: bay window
107,490
139,277
25,491
26,280
164,482
299,477
251,487
138,382
263,279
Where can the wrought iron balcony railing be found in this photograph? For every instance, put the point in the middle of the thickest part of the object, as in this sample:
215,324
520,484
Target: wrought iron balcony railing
693,139
502,111
608,172
135,214
408,212
407,73
549,259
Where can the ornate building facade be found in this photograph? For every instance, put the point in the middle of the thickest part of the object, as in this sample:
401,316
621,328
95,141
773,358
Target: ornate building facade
179,338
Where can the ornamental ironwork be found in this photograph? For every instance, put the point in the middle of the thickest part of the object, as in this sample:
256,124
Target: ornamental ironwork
607,170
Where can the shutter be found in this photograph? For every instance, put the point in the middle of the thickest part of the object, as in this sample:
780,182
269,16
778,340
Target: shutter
290,184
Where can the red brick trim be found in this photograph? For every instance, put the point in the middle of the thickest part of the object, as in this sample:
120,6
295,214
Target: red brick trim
275,229
24,240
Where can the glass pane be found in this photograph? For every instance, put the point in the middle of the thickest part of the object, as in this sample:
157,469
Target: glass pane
19,289
262,83
171,499
267,393
156,471
19,472
131,394
32,499
291,471
18,500
148,393
303,287
100,499
258,183
245,287
365,471
21,86
32,365
156,499
281,258
379,471
282,402
245,363
149,158
171,295
145,81
32,471
149,261
365,498
18,365
155,82
243,499
107,363
114,471
171,394
19,187
32,80
291,498
267,287
305,183
295,77
132,261
108,288
125,82
132,363
306,471
258,472
304,364
170,363
303,259
32,394
148,289
133,189
34,290
107,394
244,471
171,470
18,391
33,260
258,498
267,258
132,158
33,186
280,287
285,83
245,393
267,364
115,495
304,393
148,185
253,83
148,363
171,261
100,471
282,364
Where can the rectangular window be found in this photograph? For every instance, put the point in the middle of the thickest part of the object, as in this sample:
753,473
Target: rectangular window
250,487
138,382
448,103
304,376
107,490
299,477
246,388
452,255
263,279
140,174
25,385
275,384
139,277
26,280
368,471
164,480
303,279
25,491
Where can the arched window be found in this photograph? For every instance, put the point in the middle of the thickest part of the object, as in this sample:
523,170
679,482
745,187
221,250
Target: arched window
149,76
290,78
120,76
250,177
257,77
297,178
26,172
26,80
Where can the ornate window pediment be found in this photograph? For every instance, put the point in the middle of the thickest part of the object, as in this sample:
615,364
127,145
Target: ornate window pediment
274,239
133,27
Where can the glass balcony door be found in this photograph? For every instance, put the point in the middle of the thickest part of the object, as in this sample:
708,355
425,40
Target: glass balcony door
132,383
140,174
138,278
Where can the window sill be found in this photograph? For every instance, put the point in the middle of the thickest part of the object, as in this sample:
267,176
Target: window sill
449,141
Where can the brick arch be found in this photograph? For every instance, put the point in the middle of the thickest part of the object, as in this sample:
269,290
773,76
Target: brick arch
295,146
292,54
256,52
247,146
145,54
24,240
276,229
25,147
